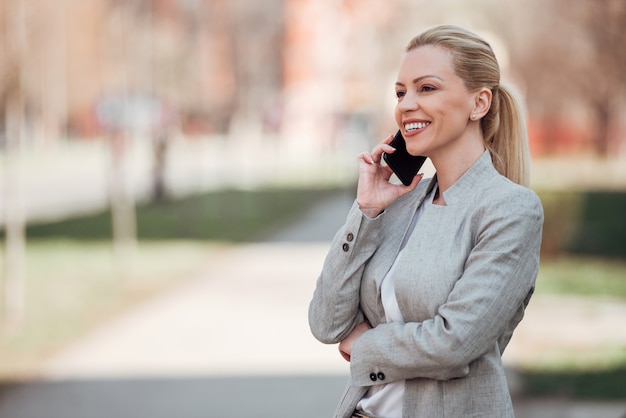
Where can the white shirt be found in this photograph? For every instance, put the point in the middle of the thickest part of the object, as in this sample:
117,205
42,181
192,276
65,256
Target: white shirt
386,400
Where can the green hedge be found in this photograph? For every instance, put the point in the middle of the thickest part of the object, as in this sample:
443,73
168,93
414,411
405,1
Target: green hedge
584,223
576,223
588,384
224,215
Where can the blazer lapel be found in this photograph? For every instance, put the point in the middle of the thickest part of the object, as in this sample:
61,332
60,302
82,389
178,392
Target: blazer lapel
398,225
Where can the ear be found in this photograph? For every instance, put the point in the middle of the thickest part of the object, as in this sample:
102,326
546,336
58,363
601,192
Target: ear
482,102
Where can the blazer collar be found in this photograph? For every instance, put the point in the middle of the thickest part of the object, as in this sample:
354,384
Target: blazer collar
481,171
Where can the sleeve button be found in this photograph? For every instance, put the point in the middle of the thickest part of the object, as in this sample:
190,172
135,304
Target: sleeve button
373,377
345,247
350,237
381,376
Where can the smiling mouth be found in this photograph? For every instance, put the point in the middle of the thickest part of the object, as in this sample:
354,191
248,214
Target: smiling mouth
414,126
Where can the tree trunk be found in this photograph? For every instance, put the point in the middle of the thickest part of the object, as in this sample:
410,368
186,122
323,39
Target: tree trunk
160,147
15,235
602,141
122,206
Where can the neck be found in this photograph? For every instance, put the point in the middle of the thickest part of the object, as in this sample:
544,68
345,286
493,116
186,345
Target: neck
451,166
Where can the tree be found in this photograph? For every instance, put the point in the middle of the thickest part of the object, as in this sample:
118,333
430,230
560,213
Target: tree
13,102
572,56
604,23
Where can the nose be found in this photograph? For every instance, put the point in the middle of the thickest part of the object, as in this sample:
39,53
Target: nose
408,103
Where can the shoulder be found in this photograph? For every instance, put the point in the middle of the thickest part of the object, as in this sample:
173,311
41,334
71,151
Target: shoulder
501,196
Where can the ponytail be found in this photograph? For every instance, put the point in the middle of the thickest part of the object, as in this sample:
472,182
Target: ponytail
506,136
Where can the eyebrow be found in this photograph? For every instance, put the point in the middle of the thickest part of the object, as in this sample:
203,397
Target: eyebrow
420,78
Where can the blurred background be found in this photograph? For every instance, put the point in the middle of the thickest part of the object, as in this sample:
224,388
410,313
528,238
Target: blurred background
151,145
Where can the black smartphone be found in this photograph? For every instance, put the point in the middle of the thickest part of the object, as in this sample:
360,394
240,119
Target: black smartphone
404,165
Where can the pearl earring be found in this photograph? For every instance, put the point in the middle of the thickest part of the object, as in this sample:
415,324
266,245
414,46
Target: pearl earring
473,117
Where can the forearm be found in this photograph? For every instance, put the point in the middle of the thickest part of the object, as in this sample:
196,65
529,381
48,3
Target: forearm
401,353
334,309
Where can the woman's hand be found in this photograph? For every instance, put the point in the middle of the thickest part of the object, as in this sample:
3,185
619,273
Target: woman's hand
345,346
374,192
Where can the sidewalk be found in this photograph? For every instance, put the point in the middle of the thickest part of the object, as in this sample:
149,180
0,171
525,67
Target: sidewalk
234,342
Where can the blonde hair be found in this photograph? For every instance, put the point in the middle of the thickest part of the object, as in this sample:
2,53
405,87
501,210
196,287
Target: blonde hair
504,126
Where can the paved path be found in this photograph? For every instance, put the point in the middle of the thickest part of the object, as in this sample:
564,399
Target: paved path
234,342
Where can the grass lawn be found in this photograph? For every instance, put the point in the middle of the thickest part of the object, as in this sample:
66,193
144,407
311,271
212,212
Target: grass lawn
585,276
570,373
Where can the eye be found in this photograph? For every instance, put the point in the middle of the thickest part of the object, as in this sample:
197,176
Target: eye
400,94
427,88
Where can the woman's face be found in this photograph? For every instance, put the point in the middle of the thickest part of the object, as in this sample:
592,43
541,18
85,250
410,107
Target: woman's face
434,107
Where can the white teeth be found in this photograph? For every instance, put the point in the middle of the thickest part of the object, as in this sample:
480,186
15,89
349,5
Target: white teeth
415,125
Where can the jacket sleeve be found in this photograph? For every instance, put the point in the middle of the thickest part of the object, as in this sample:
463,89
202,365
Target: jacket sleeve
334,310
497,280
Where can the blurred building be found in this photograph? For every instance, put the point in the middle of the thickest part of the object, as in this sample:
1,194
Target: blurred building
240,64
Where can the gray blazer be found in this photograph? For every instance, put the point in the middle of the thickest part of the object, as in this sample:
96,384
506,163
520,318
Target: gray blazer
462,284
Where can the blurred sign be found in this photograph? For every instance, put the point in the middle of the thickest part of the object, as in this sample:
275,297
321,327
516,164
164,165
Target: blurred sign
137,113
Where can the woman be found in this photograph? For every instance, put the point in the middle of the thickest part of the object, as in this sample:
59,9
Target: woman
424,284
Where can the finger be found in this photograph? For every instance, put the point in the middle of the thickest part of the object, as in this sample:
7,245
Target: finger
366,157
386,172
379,149
343,353
388,139
415,182
388,149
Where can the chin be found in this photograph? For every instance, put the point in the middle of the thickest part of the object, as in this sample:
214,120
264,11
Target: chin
414,152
